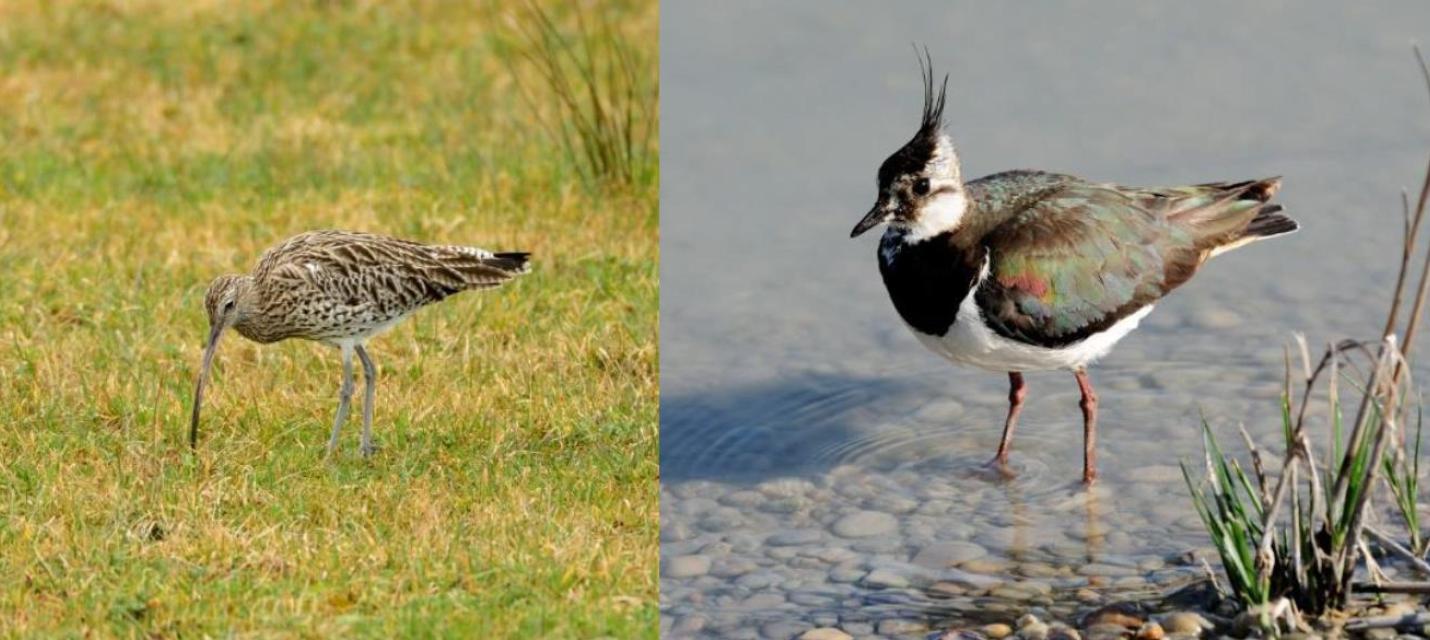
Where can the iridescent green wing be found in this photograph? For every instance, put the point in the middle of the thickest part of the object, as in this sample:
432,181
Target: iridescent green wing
1082,256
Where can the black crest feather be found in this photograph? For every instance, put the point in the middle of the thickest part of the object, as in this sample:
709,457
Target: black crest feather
933,105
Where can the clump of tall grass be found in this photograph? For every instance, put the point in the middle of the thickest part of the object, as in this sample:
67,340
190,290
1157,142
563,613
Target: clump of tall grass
594,92
1293,541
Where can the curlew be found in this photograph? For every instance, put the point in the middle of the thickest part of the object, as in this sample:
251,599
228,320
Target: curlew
342,288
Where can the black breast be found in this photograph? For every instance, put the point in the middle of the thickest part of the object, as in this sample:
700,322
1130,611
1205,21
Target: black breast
927,281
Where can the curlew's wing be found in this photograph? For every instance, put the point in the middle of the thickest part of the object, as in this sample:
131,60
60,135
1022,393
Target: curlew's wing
1078,257
361,267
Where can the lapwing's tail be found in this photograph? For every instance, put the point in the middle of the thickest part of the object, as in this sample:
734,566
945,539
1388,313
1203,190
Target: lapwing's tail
1270,222
1240,213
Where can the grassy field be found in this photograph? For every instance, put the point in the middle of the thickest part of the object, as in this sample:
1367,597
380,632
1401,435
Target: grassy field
147,147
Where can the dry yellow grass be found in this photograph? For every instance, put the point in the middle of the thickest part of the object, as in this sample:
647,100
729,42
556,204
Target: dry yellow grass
146,147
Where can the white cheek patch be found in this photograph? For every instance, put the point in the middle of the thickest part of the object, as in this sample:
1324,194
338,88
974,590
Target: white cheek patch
941,213
944,163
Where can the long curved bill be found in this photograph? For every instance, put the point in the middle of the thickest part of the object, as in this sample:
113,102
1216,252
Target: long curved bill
209,349
874,218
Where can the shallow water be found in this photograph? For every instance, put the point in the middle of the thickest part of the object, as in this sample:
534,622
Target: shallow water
795,404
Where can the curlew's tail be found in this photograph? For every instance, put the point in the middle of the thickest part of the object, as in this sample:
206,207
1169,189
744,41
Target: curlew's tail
460,268
515,262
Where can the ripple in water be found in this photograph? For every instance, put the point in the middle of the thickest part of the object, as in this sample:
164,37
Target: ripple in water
822,422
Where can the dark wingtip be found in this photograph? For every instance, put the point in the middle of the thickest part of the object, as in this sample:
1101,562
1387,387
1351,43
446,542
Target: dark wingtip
518,261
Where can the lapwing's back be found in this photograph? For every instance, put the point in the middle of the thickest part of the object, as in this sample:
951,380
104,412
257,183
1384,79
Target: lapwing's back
1068,259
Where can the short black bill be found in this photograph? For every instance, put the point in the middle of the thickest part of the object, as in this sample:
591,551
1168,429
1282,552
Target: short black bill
874,218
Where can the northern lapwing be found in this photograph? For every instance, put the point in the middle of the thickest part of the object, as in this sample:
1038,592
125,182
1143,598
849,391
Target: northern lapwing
1033,271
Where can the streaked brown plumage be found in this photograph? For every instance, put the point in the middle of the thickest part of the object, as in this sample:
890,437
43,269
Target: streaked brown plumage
341,288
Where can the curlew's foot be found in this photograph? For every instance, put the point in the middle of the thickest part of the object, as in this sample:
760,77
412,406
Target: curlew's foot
369,449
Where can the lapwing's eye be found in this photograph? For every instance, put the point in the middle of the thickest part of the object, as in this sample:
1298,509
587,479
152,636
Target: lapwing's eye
921,187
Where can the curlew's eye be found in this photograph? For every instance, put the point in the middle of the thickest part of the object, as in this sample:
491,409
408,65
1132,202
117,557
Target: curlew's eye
228,305
921,187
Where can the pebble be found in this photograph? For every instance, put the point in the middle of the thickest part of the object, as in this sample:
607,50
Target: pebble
689,624
846,573
1107,570
942,555
722,519
1183,622
1119,614
687,566
764,600
1019,591
793,538
1150,631
781,629
808,600
897,627
1061,632
986,566
742,499
731,567
945,590
831,554
1107,631
675,532
996,631
884,579
759,580
825,633
959,634
859,629
1034,631
864,524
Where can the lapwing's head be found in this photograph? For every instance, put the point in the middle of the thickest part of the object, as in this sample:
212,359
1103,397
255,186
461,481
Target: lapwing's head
920,185
225,302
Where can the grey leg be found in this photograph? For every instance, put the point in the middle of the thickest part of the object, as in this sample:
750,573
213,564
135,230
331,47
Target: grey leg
369,374
345,395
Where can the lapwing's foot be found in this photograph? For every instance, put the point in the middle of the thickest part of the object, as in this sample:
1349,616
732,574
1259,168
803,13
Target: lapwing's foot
1001,467
1089,476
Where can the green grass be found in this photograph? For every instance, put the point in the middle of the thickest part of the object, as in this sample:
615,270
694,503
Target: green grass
147,147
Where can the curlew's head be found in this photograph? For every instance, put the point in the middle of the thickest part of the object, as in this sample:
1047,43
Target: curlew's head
224,304
921,185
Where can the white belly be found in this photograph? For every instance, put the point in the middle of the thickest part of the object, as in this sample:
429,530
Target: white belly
970,342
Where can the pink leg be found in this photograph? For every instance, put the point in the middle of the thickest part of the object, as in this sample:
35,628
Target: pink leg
1017,392
1089,427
